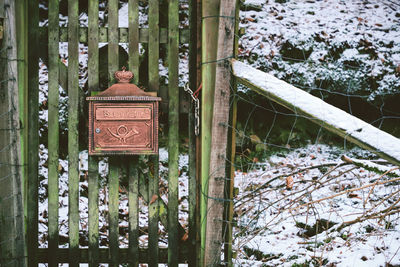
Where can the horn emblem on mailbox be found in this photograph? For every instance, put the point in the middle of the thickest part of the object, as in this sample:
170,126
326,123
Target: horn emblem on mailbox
123,119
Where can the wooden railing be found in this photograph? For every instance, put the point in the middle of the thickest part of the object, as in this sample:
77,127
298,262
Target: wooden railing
331,118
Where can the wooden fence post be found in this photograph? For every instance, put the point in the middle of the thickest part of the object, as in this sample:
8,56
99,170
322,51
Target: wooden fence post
12,236
219,135
210,12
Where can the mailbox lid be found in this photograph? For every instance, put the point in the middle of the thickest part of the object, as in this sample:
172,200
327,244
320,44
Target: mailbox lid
120,128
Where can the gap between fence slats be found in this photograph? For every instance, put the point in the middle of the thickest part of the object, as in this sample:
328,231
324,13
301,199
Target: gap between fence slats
133,198
194,141
33,135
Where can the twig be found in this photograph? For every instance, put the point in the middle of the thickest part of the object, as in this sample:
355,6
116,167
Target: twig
371,166
393,255
345,192
383,200
252,194
389,211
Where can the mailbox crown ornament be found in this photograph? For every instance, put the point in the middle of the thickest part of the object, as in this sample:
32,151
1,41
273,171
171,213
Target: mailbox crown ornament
123,76
123,119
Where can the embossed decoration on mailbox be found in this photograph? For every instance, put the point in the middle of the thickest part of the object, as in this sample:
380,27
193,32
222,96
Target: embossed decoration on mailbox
123,119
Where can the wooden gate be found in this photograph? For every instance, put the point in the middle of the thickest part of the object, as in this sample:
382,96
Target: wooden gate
141,185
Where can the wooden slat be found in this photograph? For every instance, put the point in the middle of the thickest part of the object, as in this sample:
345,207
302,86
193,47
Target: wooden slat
133,14
195,81
73,143
113,64
53,130
33,128
113,58
153,45
113,204
133,199
93,196
93,83
348,126
173,131
123,35
104,255
153,87
22,54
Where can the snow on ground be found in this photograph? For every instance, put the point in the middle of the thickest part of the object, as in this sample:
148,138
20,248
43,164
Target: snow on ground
344,46
275,227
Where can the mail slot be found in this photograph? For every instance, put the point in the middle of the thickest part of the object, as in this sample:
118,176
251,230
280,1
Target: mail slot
123,119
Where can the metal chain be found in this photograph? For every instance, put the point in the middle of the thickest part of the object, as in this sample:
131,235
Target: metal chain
196,109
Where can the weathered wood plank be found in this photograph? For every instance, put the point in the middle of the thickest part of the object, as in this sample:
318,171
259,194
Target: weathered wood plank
210,13
21,47
11,209
113,65
113,204
93,183
133,14
53,130
104,255
154,40
173,131
33,126
133,198
154,172
330,117
219,136
123,35
93,198
73,137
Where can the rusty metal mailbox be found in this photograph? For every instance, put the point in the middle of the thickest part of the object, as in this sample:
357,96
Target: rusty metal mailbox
123,119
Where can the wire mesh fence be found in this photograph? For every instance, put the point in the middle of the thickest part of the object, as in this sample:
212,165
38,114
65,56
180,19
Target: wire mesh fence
304,195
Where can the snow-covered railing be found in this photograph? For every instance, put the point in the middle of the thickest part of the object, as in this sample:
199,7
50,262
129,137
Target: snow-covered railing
333,119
